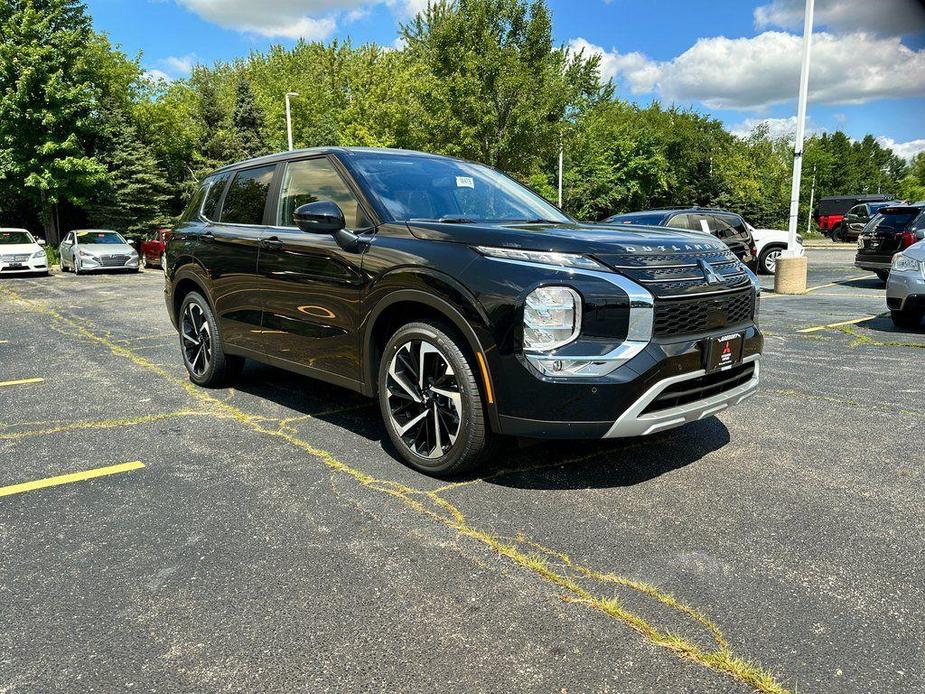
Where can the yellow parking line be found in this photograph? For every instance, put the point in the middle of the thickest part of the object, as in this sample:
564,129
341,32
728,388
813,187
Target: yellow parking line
837,282
67,479
21,382
817,328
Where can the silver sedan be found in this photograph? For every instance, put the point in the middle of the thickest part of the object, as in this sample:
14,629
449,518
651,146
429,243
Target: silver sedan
905,287
84,250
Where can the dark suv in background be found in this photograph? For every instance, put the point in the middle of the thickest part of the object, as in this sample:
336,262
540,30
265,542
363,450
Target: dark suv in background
468,305
891,231
727,226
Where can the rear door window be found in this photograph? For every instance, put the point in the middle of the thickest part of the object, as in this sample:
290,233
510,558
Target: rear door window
216,188
246,199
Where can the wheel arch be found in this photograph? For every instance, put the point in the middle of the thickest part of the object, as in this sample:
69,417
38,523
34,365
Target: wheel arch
456,308
189,277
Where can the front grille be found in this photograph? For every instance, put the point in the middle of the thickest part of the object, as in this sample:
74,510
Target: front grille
675,317
701,388
16,258
113,260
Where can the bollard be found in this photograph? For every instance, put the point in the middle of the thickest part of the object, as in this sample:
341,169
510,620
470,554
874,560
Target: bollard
790,275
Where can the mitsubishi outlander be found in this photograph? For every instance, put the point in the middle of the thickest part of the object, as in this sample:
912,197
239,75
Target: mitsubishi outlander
464,302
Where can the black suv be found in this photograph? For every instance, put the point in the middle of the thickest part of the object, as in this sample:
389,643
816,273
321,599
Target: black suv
467,304
891,231
724,225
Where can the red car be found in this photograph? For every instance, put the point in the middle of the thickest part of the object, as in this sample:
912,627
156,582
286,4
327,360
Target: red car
830,212
152,248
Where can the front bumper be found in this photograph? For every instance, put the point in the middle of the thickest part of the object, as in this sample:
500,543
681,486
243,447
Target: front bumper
905,288
621,404
91,265
873,264
30,266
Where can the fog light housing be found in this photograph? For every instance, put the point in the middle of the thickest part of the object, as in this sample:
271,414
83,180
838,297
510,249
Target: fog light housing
552,318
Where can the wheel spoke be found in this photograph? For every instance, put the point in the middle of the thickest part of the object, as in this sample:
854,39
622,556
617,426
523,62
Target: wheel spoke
402,430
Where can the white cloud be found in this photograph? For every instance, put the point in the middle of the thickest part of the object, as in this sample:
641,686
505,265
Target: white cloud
181,65
292,19
155,75
777,127
906,150
885,17
754,73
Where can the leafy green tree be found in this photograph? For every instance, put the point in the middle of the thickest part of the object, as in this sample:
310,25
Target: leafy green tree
48,106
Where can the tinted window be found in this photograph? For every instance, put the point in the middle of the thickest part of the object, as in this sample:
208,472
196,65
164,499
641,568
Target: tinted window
313,180
731,221
216,188
247,196
11,237
192,210
432,188
98,237
652,218
896,219
919,223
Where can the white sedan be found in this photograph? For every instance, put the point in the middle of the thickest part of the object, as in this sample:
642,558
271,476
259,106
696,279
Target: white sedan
770,243
21,254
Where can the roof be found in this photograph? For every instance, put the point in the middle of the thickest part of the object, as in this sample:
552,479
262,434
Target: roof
860,198
13,229
684,208
285,156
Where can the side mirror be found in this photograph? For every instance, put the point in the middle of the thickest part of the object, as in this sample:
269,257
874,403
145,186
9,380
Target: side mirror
40,242
322,217
920,234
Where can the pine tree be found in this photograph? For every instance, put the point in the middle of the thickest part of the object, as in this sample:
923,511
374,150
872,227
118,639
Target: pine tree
136,192
247,122
47,106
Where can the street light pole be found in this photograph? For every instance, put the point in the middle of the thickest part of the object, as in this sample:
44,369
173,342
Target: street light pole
790,274
812,197
289,118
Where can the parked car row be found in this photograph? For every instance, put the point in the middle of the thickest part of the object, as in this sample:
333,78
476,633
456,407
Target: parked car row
831,213
892,229
81,251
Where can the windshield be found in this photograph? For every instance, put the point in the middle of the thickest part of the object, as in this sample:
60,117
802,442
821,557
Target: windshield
436,189
11,237
98,237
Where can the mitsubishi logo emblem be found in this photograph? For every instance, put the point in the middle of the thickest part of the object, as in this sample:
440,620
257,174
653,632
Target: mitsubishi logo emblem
709,273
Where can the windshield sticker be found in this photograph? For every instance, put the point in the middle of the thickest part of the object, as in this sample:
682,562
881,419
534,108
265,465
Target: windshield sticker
465,182
704,225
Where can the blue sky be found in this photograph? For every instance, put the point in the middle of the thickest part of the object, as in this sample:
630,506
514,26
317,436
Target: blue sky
735,59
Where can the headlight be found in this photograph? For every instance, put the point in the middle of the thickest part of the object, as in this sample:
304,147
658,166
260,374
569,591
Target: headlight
552,318
543,258
86,254
903,263
38,255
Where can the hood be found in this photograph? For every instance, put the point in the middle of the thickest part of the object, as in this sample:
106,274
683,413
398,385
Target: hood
19,248
917,251
668,262
107,248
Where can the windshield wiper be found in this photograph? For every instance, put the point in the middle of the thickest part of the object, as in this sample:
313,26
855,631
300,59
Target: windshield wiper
447,219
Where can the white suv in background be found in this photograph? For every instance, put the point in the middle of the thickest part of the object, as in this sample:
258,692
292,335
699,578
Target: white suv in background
770,243
21,254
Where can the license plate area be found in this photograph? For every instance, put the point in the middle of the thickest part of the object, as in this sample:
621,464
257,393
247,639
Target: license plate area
724,352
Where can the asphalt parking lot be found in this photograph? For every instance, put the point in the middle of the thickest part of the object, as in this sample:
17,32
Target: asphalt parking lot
263,538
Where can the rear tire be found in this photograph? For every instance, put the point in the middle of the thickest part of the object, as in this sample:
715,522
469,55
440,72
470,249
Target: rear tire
440,428
906,319
202,346
837,234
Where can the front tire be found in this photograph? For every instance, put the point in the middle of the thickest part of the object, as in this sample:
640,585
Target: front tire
836,234
906,319
883,275
767,260
202,346
430,401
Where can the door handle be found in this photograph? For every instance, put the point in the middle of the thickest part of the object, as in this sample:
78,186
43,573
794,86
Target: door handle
272,244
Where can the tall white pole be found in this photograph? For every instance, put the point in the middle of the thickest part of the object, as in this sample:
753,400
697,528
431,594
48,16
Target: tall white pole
812,197
561,168
801,129
289,119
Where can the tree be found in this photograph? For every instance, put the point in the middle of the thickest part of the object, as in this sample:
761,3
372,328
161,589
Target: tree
247,123
47,106
134,196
